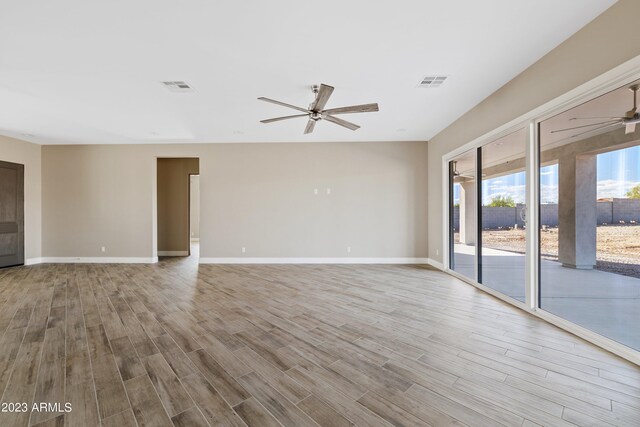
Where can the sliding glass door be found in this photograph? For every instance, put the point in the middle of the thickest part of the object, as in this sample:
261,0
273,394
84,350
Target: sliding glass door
567,246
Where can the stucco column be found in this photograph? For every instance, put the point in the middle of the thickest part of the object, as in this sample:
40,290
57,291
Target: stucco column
467,213
577,211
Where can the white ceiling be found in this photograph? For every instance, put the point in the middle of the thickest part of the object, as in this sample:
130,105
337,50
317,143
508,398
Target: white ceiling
78,71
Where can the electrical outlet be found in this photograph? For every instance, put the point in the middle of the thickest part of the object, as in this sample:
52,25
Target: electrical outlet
328,191
437,251
103,249
315,191
244,249
348,249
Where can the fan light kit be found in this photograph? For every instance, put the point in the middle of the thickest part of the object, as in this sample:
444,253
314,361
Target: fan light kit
317,112
629,120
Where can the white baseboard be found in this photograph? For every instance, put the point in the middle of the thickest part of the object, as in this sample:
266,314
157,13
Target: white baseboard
151,260
314,261
92,260
435,264
173,253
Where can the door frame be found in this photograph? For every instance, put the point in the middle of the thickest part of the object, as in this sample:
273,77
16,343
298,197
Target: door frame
19,209
189,203
154,198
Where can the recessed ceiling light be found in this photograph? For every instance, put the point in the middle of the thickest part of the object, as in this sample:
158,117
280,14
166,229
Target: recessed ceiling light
238,132
28,135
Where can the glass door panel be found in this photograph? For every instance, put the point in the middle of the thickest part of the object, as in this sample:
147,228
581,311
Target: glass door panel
462,218
590,216
503,215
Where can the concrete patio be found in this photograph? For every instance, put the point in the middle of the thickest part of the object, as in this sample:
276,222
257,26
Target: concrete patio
606,303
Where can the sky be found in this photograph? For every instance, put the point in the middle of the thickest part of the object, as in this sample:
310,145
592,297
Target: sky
618,171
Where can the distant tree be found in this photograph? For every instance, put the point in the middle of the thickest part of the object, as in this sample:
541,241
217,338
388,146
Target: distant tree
634,193
502,202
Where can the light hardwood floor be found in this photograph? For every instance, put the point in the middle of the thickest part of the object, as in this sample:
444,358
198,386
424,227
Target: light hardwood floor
171,344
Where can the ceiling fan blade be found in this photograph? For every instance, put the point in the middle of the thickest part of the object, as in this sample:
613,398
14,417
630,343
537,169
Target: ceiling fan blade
341,122
585,126
364,108
277,119
273,101
630,128
324,93
310,125
597,118
601,127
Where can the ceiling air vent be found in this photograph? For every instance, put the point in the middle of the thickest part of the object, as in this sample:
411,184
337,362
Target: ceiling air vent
432,81
178,86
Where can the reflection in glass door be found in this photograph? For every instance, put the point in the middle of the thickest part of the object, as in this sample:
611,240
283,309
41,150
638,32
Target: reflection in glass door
462,218
503,215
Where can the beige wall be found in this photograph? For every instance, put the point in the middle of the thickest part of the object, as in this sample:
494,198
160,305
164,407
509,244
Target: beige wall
257,196
29,155
173,202
603,44
261,197
94,196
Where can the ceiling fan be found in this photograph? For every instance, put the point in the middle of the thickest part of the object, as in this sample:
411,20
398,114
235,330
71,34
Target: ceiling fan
316,111
460,176
629,120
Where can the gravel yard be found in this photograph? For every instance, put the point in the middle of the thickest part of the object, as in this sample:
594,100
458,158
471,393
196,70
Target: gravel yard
618,246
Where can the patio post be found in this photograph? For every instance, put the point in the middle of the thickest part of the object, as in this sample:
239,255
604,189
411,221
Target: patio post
577,210
467,212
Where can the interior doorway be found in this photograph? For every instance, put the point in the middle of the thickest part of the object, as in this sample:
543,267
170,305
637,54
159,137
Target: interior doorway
178,206
194,215
11,214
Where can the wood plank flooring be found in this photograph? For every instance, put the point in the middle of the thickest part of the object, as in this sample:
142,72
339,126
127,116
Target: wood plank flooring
172,344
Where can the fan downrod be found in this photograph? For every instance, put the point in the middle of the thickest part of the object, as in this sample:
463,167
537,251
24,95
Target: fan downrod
313,115
634,89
